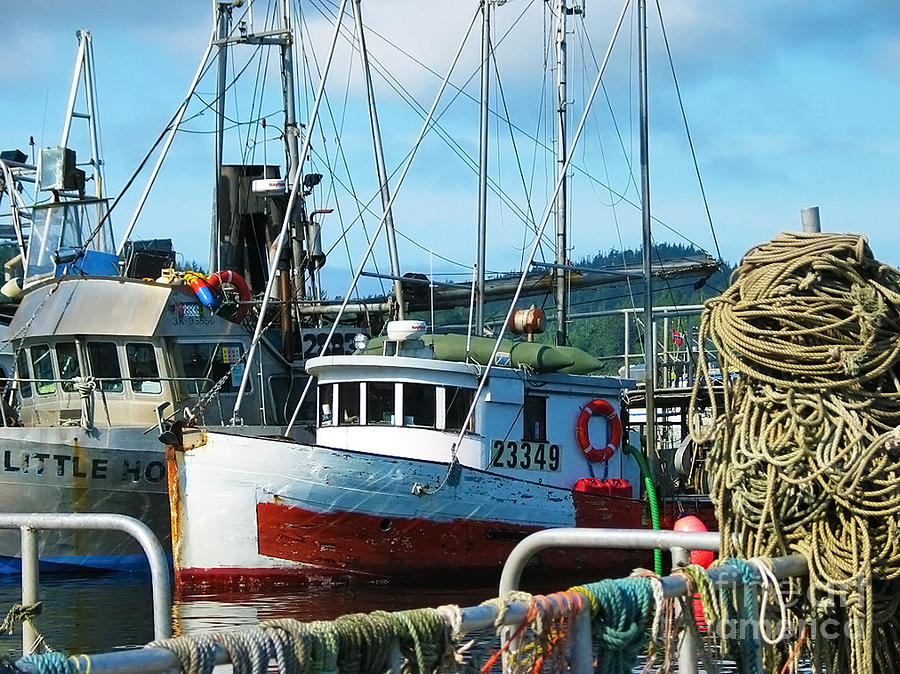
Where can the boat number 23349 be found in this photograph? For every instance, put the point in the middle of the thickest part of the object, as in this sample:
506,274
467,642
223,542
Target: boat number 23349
527,455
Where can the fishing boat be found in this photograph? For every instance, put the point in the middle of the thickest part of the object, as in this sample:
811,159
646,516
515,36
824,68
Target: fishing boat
109,342
433,454
122,415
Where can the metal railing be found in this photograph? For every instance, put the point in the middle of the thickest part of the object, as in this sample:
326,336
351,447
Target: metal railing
612,539
678,542
485,616
199,386
29,524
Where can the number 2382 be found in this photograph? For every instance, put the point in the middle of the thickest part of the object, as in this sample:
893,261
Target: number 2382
526,455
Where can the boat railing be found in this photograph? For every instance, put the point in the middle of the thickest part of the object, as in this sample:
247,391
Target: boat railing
197,387
503,615
29,524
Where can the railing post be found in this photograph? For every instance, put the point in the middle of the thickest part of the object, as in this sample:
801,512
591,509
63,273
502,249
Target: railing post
687,648
582,653
30,579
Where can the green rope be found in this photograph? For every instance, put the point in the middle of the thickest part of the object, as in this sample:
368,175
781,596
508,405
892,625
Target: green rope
351,644
741,603
621,612
650,486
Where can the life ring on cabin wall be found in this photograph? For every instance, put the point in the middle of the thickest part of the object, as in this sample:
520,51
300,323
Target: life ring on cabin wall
605,409
215,282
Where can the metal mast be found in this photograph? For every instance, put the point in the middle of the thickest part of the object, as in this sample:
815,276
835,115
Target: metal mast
287,86
379,163
649,344
223,25
293,164
84,70
84,67
559,272
482,166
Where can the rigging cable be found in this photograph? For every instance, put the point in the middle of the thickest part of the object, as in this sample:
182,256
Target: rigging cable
687,130
442,133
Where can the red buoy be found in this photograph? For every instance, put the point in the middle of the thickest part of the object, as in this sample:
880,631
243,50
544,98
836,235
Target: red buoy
692,524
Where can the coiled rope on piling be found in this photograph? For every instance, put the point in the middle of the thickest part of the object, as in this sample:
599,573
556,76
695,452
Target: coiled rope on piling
804,452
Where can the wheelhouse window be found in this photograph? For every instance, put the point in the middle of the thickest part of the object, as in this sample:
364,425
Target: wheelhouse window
419,405
44,372
24,373
208,362
143,368
458,401
104,361
535,414
348,400
67,358
326,405
380,402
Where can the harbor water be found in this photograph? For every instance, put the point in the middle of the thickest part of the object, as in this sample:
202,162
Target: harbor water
104,613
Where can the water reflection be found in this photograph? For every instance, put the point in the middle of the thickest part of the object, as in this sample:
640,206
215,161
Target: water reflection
103,613
215,611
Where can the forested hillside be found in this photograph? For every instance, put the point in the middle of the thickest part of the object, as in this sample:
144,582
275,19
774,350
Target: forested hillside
603,336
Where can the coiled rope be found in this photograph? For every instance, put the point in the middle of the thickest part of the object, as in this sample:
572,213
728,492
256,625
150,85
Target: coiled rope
804,455
421,641
621,612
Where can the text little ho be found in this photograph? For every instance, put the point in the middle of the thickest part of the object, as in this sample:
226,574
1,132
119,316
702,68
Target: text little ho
65,465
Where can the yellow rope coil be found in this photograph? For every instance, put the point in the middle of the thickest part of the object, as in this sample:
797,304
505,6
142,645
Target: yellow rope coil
804,455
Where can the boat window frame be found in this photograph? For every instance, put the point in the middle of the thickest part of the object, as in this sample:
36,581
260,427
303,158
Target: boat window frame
24,379
40,379
528,433
66,381
372,387
107,385
324,420
134,380
196,390
434,400
451,400
341,418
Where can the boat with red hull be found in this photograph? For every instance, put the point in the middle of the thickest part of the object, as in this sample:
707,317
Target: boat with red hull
393,487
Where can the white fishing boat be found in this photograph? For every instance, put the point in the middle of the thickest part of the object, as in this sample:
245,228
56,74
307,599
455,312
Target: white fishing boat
433,454
109,344
469,441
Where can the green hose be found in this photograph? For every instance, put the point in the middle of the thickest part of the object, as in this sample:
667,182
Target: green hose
638,456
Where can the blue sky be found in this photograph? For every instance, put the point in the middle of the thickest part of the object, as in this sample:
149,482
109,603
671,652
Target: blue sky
790,104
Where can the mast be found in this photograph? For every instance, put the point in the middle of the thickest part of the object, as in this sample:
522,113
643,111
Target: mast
483,165
223,27
379,163
562,11
284,234
287,90
84,71
292,279
649,344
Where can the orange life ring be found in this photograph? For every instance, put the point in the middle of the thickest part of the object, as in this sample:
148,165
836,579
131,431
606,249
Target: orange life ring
615,430
215,282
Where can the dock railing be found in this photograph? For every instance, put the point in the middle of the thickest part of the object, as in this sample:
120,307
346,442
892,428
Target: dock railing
29,524
158,660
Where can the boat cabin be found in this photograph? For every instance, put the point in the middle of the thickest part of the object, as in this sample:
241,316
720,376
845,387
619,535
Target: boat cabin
115,351
413,405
